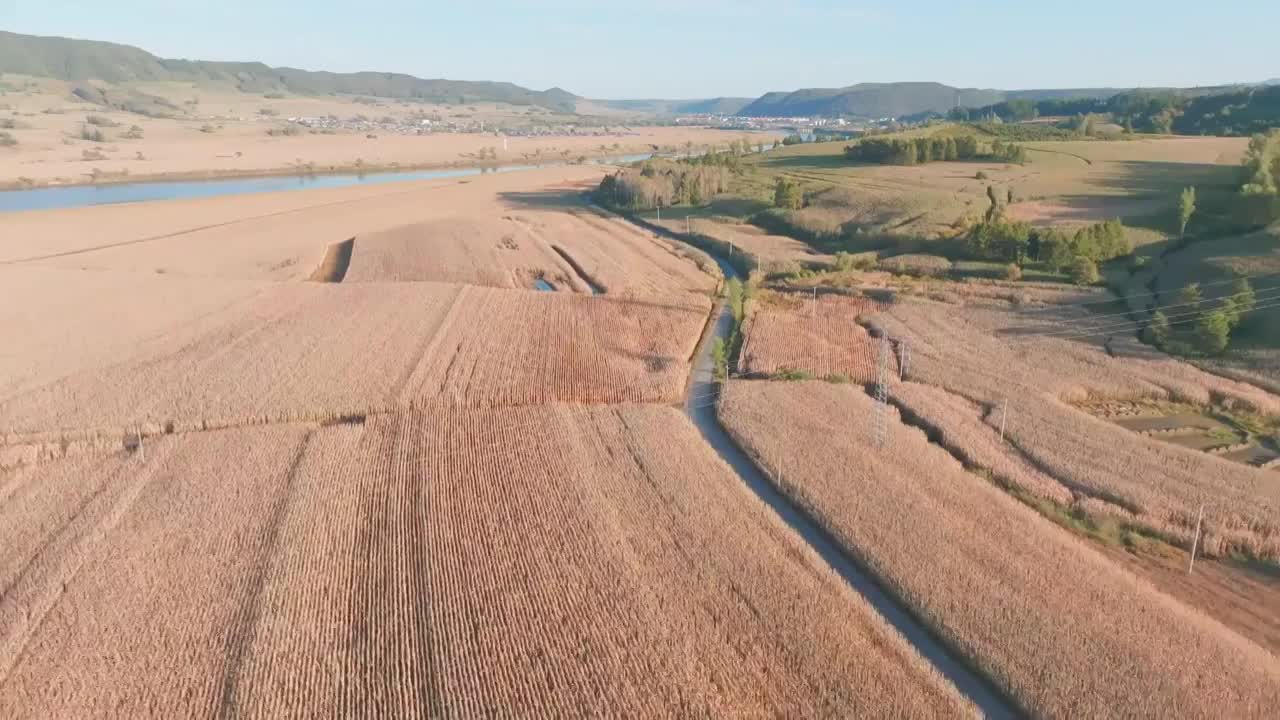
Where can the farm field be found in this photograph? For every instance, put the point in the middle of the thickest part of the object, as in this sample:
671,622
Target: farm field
823,338
1074,182
989,354
1014,584
436,562
225,134
321,351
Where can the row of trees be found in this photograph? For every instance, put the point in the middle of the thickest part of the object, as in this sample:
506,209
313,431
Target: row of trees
917,151
662,183
1201,329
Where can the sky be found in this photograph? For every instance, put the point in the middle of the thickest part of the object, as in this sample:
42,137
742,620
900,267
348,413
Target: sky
701,48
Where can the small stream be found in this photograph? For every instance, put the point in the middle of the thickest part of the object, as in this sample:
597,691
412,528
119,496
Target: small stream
700,406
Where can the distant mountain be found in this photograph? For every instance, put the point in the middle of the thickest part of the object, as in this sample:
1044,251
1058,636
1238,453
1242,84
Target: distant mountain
84,60
1273,81
711,106
880,100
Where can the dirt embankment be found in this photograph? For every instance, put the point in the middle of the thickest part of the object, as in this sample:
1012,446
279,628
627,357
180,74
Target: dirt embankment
337,258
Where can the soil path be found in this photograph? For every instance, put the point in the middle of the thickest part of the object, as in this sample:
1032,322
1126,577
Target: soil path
700,406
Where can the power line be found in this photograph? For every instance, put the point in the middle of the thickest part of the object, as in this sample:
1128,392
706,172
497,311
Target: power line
1215,283
1162,308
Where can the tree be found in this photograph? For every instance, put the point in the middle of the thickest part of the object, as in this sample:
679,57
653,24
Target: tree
1084,271
1157,331
787,195
1212,332
1243,296
1186,208
1189,298
993,212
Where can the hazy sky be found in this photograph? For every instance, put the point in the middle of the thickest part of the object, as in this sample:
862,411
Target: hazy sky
701,48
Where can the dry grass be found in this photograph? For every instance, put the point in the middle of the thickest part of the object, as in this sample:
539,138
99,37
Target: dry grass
556,561
974,352
310,351
1064,631
792,332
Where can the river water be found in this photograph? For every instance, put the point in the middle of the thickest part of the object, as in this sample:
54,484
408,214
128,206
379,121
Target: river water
71,196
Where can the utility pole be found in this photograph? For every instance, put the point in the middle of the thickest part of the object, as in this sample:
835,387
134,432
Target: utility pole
814,310
904,359
687,231
880,420
1004,417
1195,544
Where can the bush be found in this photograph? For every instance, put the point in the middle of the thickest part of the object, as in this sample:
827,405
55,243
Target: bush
92,134
8,123
1012,272
100,121
285,130
133,133
720,360
1084,271
849,261
7,139
981,175
268,112
92,154
208,129
917,265
792,374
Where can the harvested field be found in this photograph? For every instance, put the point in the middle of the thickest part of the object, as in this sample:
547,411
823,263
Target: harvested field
317,352
790,332
491,251
977,353
442,563
1014,583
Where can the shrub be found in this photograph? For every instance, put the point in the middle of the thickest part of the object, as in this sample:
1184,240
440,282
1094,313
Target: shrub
133,133
285,130
208,129
7,140
100,121
92,154
917,265
981,175
1012,272
849,261
720,360
792,374
269,112
92,134
8,123
1084,271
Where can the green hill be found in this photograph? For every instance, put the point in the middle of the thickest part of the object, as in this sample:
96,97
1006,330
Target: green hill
880,100
80,61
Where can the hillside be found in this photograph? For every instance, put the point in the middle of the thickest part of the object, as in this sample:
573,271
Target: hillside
709,106
84,60
878,100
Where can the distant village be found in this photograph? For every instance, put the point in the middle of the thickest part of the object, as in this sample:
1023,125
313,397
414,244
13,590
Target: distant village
430,126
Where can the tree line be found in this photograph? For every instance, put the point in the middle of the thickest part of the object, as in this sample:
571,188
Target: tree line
921,150
664,183
1234,111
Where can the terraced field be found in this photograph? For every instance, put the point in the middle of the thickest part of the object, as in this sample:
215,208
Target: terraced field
993,353
1014,584
441,562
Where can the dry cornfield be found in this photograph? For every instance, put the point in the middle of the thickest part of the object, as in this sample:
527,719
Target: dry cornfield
316,352
823,337
1064,631
976,354
557,561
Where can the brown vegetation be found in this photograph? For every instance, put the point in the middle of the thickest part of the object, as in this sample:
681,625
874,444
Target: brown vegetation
975,352
445,562
823,337
1063,630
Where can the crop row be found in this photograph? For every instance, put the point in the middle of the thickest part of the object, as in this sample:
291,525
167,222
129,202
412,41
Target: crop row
1061,629
555,561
